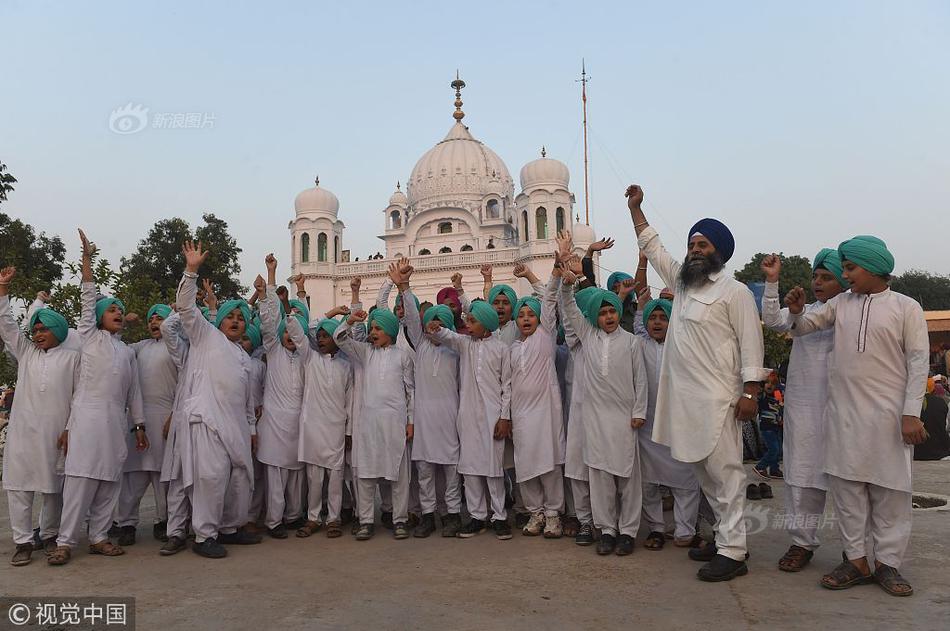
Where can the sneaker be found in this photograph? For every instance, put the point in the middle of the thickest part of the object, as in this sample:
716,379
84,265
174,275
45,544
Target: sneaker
752,492
126,536
552,527
158,531
585,535
354,527
534,526
114,530
776,474
522,519
624,545
606,545
703,553
451,525
239,538
210,549
22,554
765,491
401,530
295,524
502,529
762,473
174,545
387,520
365,532
472,528
278,532
413,520
722,568
426,527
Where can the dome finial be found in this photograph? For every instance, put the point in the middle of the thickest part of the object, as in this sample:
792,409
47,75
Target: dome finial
544,153
316,181
458,84
398,186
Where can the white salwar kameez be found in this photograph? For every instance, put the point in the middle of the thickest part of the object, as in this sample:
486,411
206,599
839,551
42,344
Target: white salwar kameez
713,346
178,504
107,398
258,374
878,374
45,384
575,470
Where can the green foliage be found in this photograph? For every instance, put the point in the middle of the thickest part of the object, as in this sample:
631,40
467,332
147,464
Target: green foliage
777,347
932,291
6,182
796,272
37,257
222,265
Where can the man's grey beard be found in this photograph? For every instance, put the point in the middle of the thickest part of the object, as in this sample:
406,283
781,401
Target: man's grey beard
695,271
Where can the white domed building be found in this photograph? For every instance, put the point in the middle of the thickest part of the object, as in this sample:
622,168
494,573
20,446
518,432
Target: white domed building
459,211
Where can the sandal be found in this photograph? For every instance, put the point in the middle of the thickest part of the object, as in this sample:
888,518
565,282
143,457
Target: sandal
106,548
654,541
334,530
891,581
308,528
844,576
59,556
795,559
570,526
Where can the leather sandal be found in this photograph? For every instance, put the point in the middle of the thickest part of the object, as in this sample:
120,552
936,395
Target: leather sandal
844,576
891,581
106,548
795,559
59,556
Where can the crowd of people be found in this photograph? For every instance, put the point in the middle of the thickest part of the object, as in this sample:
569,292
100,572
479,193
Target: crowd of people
254,417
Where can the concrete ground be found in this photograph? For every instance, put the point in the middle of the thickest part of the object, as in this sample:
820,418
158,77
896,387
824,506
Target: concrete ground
483,583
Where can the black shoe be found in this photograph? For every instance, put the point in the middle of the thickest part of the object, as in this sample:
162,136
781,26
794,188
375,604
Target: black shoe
776,474
174,545
114,531
365,532
346,516
295,524
624,545
502,529
158,531
126,536
606,545
210,549
472,528
765,491
451,525
752,492
239,538
401,530
705,553
387,520
722,568
278,532
426,527
521,519
37,539
585,535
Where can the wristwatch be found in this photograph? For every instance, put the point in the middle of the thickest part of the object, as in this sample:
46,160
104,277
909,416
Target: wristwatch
748,396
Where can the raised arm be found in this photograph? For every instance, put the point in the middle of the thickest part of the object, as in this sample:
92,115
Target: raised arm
343,336
446,337
773,316
175,344
649,240
9,331
299,337
818,318
570,312
192,320
549,303
382,298
463,298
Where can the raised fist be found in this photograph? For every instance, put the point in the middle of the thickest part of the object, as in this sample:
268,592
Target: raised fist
771,266
795,300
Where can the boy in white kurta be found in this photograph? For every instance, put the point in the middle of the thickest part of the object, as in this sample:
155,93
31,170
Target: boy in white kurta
158,376
47,374
252,343
878,377
806,396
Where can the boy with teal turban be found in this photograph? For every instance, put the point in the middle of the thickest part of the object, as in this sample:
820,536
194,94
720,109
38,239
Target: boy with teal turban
503,299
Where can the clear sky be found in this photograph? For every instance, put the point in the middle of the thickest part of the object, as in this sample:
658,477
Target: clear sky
799,124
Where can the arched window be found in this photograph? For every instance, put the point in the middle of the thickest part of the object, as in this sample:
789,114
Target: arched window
395,220
445,250
322,247
445,227
524,227
424,252
293,246
559,216
466,248
336,249
491,209
541,221
305,248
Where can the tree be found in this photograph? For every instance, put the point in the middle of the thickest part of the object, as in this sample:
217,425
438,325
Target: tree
932,291
39,257
222,265
796,271
6,182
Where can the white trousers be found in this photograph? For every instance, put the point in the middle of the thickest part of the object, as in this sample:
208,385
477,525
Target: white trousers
685,510
85,498
477,503
132,490
606,492
722,478
256,509
804,507
221,491
317,477
867,512
544,493
429,491
179,509
398,490
580,491
20,507
284,495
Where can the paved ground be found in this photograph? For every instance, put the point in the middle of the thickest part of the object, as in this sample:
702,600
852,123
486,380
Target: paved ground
484,584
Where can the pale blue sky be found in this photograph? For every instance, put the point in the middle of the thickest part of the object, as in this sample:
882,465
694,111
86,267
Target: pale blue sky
799,124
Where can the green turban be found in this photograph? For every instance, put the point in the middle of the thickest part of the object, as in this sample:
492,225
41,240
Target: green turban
830,261
327,324
502,289
597,300
414,298
528,301
387,321
51,320
583,296
657,303
206,312
869,253
163,311
617,277
230,305
253,333
443,313
486,314
283,325
104,303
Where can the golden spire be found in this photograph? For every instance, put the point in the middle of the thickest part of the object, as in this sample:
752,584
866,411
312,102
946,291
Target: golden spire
458,84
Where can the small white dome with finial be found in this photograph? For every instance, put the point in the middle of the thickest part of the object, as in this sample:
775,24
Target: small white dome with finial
317,200
545,172
398,198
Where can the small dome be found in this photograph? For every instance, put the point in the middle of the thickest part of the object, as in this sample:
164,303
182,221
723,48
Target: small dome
316,200
398,198
545,171
583,235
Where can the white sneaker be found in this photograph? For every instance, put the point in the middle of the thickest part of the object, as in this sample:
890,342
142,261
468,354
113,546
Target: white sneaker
552,527
535,525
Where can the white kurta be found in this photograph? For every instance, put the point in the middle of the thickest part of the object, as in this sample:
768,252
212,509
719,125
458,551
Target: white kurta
436,403
382,302
327,390
107,398
379,439
278,430
806,395
176,342
484,371
537,421
713,346
574,466
616,392
158,379
45,384
878,373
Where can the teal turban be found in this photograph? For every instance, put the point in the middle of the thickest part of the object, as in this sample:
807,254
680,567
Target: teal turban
502,289
283,325
485,313
829,260
868,252
161,310
104,303
597,300
443,313
301,306
387,321
583,296
528,301
327,324
230,305
253,333
657,303
206,312
51,320
617,277
414,299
